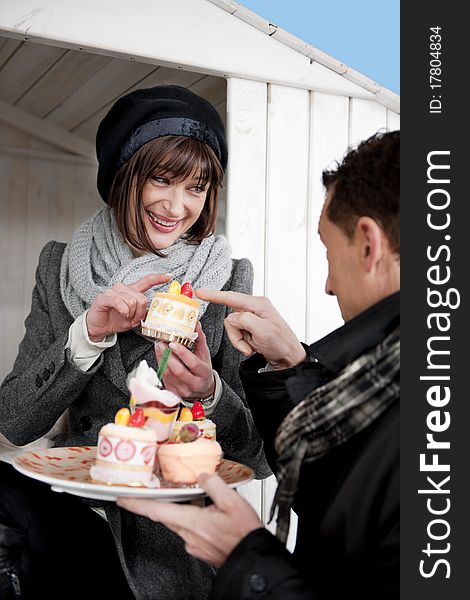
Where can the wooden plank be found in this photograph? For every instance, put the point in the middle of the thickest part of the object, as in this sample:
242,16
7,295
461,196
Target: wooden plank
393,120
11,135
13,177
328,143
56,135
221,226
207,39
287,202
40,201
59,198
107,83
160,76
85,197
269,489
222,110
246,190
7,50
246,173
43,155
365,118
67,75
213,89
286,217
28,65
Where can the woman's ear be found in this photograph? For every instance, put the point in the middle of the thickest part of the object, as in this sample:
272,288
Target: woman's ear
370,238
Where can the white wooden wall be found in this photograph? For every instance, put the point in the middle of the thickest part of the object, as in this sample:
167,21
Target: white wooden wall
41,200
280,140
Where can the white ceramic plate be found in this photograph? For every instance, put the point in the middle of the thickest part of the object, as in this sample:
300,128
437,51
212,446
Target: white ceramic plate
68,470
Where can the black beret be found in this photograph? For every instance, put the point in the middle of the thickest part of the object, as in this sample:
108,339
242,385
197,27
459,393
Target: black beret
146,114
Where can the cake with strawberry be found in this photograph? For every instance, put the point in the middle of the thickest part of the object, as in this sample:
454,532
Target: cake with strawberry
126,451
196,415
182,462
160,407
172,315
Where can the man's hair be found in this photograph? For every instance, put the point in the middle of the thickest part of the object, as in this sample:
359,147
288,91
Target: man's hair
367,183
176,156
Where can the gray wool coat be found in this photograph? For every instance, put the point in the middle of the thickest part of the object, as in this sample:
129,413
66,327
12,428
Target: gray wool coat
44,383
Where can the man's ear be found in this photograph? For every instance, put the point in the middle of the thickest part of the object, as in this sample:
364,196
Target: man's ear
370,237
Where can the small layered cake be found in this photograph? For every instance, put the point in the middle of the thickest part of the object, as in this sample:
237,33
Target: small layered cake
172,315
126,451
183,462
197,417
160,406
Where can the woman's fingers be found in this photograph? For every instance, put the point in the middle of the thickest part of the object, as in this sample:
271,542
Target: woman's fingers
106,301
122,307
136,301
186,374
149,281
201,350
181,378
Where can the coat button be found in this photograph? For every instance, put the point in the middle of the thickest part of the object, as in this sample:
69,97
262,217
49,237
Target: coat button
257,582
38,381
86,423
46,374
52,367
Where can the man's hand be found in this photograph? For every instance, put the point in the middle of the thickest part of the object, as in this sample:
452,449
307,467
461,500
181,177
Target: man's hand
120,307
256,326
210,533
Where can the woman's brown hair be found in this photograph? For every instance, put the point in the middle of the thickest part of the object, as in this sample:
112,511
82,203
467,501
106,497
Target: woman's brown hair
175,156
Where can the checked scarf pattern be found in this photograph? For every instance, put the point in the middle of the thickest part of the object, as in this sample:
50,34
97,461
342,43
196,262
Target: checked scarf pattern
331,415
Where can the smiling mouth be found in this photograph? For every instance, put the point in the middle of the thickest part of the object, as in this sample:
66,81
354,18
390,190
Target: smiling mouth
162,224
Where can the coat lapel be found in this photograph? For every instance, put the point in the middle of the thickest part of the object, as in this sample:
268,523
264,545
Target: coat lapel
124,356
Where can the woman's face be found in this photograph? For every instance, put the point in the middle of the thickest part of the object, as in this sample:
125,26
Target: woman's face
171,208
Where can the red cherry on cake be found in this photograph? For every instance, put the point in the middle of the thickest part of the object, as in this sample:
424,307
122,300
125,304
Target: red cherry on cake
137,419
187,289
198,411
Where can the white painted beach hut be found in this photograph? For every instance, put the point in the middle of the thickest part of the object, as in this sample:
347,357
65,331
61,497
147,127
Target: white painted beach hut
290,110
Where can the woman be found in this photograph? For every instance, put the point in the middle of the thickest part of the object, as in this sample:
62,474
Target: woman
161,155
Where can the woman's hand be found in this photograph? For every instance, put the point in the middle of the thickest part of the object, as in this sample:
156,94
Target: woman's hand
188,374
120,307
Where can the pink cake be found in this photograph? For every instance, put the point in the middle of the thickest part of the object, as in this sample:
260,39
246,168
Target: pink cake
125,455
160,406
184,462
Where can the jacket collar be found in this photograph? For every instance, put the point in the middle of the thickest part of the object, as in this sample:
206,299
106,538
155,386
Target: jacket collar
358,335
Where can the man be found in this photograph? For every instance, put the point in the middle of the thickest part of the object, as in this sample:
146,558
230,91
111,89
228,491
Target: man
328,414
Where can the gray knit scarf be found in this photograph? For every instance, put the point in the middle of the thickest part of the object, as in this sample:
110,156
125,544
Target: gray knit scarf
331,415
97,257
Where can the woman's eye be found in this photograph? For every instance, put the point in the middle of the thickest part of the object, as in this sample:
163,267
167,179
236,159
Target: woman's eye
198,189
161,180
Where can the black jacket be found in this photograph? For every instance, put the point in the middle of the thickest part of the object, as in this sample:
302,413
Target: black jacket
347,502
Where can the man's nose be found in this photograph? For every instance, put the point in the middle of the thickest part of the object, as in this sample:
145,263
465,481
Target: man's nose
328,288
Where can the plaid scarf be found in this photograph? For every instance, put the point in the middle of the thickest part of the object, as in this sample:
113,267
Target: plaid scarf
331,415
